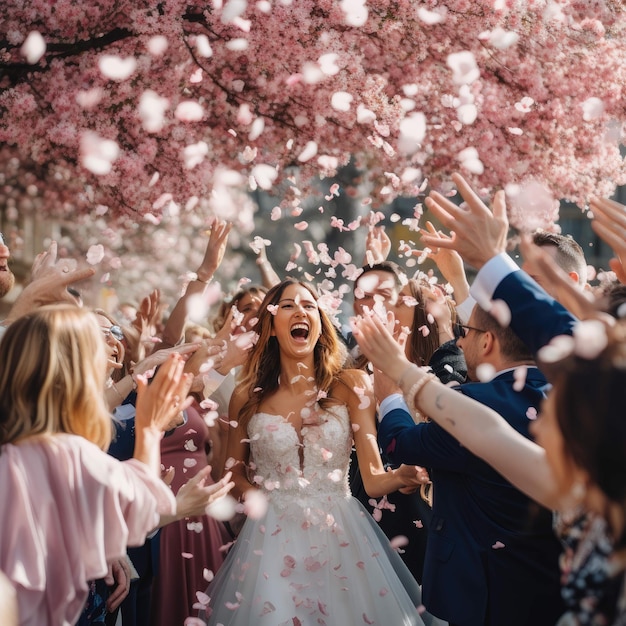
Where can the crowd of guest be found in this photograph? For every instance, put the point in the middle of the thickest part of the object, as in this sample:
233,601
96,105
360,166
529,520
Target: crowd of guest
486,447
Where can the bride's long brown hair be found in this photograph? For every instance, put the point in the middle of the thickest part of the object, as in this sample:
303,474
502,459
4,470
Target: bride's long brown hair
260,374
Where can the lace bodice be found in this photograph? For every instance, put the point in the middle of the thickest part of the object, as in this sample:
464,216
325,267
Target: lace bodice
291,469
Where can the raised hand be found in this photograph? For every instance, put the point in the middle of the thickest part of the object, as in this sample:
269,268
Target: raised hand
50,280
215,250
159,403
377,245
141,332
609,223
449,263
379,346
476,233
150,363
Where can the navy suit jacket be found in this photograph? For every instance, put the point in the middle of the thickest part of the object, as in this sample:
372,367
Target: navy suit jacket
536,317
468,578
491,554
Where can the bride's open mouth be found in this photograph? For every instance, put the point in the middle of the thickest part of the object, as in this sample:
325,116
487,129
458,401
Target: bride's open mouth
300,331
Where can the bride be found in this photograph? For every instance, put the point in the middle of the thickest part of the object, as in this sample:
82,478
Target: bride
315,556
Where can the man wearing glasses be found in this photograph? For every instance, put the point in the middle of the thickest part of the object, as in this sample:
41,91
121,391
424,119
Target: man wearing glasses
491,555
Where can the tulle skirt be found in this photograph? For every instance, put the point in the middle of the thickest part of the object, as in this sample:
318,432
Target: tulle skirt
324,563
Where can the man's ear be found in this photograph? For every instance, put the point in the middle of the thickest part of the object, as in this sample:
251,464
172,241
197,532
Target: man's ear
574,276
488,342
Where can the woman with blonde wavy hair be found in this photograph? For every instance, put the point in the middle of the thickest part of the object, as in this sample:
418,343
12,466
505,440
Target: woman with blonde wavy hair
308,552
67,509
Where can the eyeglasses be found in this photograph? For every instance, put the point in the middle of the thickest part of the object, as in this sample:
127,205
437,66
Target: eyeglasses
115,331
464,329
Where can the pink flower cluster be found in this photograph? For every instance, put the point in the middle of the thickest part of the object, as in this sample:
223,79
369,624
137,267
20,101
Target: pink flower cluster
147,110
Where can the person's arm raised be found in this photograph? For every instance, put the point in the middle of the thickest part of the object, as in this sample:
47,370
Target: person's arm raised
213,255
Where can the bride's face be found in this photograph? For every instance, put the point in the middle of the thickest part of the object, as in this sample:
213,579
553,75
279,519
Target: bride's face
297,325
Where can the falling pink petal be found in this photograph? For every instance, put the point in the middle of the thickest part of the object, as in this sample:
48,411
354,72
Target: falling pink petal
519,376
418,523
531,413
485,372
33,48
116,68
309,151
301,225
590,338
186,555
500,310
497,545
383,592
398,542
208,575
255,505
367,620
95,254
189,111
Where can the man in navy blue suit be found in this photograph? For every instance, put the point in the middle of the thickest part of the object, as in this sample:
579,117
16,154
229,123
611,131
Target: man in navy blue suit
491,556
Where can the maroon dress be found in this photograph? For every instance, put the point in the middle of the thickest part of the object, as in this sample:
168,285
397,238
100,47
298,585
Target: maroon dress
192,544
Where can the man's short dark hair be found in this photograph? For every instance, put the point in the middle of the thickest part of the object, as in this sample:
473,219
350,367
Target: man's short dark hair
384,266
569,255
511,346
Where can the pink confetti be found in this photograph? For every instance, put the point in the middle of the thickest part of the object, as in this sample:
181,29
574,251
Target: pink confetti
531,413
186,555
398,542
115,67
418,523
33,48
519,376
498,545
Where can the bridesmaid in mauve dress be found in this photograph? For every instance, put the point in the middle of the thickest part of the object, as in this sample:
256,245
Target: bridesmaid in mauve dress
192,544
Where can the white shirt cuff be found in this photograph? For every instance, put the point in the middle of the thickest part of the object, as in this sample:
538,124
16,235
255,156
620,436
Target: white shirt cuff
391,402
490,275
464,310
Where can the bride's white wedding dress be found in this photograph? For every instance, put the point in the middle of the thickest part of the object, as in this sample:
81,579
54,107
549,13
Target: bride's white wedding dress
317,557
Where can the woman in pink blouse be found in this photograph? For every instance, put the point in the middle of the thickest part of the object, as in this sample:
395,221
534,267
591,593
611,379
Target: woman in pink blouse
67,509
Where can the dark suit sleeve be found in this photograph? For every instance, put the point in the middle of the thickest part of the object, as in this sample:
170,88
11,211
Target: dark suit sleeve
426,444
536,317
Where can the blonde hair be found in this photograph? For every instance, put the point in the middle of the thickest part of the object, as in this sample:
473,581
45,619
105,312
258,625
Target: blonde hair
52,374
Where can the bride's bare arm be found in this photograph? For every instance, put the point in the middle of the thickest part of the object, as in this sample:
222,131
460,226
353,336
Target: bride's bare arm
359,397
237,448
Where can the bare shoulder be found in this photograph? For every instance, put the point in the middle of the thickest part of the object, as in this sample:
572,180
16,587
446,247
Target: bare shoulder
352,382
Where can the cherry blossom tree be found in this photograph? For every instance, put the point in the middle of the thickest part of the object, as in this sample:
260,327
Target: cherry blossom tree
142,110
